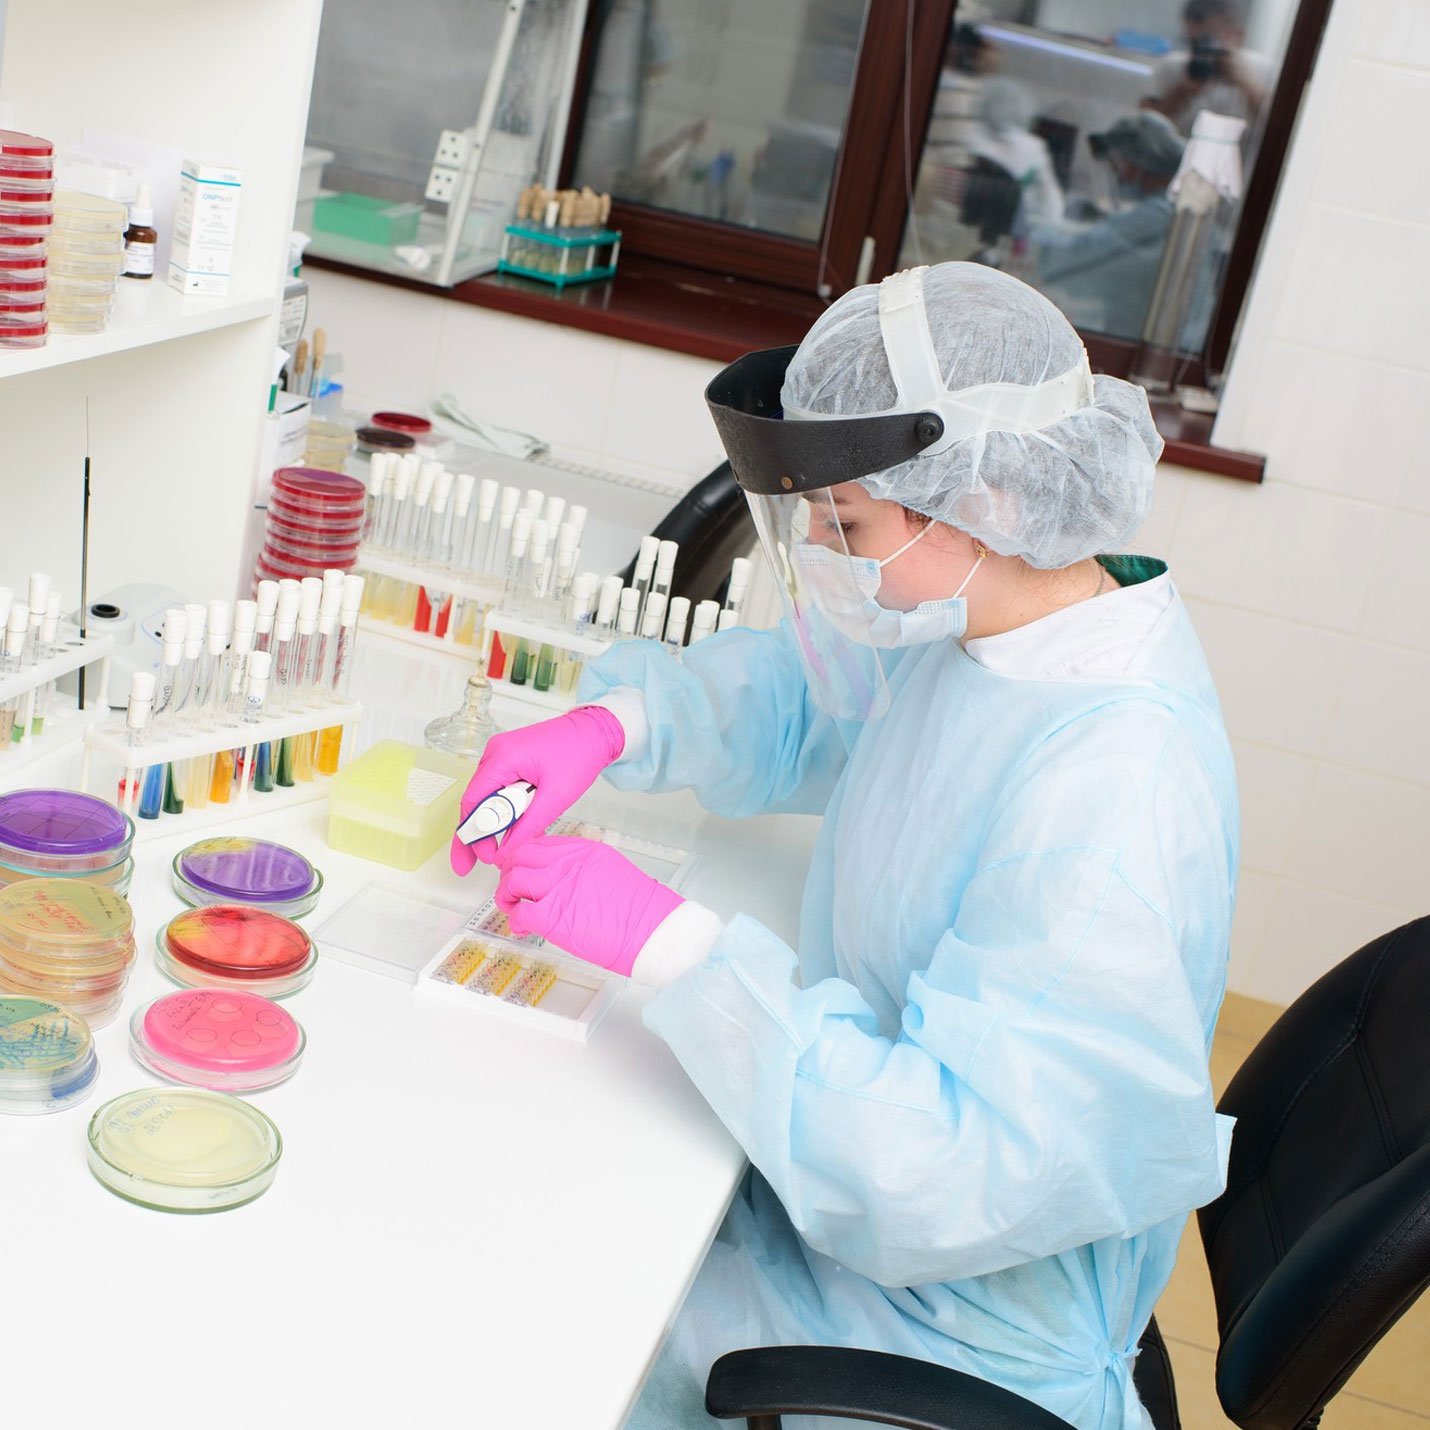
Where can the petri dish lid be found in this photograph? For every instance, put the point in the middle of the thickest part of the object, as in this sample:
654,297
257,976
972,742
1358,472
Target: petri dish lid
385,439
237,940
319,550
316,484
239,870
14,332
407,422
217,1038
12,141
16,241
27,218
183,1149
304,529
27,260
35,973
61,827
64,916
47,1057
26,280
23,307
25,191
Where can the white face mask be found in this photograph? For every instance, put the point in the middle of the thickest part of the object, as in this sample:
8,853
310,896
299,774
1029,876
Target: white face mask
844,590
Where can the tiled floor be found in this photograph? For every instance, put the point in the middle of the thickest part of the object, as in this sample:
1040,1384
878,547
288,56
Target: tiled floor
1391,1390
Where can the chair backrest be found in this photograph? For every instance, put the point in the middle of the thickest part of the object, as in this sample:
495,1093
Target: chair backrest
1321,1240
991,200
713,525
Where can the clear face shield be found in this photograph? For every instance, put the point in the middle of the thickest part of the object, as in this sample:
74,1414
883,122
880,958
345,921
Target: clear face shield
826,596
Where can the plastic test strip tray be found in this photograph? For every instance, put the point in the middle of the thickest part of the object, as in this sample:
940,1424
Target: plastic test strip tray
488,968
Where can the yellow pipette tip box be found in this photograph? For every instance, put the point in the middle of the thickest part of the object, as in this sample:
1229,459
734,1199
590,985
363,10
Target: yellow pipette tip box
397,804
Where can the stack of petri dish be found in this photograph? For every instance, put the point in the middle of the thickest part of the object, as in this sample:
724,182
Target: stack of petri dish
27,187
47,1058
62,834
315,521
69,942
86,259
236,946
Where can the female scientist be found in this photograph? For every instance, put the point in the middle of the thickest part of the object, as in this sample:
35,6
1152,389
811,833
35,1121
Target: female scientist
976,1099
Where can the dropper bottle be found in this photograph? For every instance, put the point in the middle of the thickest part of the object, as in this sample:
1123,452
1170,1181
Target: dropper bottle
467,729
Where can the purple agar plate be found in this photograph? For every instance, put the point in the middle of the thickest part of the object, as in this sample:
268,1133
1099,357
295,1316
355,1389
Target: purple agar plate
62,831
232,870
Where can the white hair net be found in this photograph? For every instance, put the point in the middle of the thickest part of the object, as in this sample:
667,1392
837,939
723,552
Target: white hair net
1073,489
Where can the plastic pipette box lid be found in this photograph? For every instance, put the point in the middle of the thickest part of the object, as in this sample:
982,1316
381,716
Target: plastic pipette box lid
57,918
238,946
47,1058
218,1038
315,486
183,1149
62,830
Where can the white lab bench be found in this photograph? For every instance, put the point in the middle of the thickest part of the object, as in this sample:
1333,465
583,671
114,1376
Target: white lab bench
473,1224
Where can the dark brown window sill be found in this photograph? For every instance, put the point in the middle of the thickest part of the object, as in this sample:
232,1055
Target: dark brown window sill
687,311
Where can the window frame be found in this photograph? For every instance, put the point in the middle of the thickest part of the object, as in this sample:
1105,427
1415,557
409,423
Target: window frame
872,178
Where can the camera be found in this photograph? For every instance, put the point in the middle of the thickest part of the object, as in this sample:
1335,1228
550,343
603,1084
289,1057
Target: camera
1206,60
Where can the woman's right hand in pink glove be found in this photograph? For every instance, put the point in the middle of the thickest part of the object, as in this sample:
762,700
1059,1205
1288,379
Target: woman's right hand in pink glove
561,757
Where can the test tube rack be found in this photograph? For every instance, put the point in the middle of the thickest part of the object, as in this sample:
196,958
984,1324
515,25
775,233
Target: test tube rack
63,722
105,745
484,590
561,638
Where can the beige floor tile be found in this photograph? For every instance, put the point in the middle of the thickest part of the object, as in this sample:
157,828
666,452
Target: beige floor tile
1186,1309
1228,1054
1246,1018
1195,1372
1397,1371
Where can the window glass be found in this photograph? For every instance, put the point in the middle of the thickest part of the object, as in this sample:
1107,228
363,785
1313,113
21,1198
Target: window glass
722,109
1057,128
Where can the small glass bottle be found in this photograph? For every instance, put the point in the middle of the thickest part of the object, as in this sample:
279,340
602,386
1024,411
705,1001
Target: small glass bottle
140,237
465,731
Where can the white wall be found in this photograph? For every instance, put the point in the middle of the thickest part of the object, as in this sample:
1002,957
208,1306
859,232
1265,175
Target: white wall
1311,592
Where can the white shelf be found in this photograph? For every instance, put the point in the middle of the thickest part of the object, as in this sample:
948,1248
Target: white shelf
144,313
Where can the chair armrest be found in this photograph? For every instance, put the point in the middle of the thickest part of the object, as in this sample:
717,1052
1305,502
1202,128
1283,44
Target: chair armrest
869,1385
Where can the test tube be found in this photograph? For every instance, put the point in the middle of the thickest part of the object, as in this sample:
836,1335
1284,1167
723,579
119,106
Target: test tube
645,570
653,619
415,546
171,664
495,564
257,759
728,618
735,588
136,727
702,621
245,627
576,515
555,512
533,502
479,545
608,605
264,609
44,649
665,568
679,613
16,627
377,479
628,611
583,615
464,517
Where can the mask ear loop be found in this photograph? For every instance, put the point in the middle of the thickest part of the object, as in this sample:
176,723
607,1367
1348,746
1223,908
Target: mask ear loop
923,531
982,551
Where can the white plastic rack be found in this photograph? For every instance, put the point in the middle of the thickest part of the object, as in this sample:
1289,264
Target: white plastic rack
63,722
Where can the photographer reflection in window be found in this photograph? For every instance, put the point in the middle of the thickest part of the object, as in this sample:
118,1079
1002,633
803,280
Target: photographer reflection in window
1102,276
1214,72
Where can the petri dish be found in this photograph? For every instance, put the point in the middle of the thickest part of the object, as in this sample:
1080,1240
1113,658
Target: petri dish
235,870
316,486
384,439
219,1038
23,335
27,146
115,876
47,1057
64,918
236,946
319,549
182,1149
62,831
407,423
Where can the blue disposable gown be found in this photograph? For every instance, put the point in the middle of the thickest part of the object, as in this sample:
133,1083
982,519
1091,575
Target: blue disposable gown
977,1100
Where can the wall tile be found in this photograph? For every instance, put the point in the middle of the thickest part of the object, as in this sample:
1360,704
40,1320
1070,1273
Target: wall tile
1274,785
1370,453
1379,721
1309,931
1279,549
1397,606
1358,168
1365,837
1168,494
550,381
1394,32
1357,284
386,337
656,413
1255,899
1275,678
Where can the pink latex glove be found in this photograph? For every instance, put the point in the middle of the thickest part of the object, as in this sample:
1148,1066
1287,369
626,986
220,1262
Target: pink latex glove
584,897
561,757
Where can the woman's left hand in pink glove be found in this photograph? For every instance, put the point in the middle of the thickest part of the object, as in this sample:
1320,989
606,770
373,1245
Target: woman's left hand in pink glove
584,897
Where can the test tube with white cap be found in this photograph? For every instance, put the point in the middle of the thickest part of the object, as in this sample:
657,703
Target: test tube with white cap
676,618
44,649
702,621
136,728
608,605
628,611
739,580
653,621
645,570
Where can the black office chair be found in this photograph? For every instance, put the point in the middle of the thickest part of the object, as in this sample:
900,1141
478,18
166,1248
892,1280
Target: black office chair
712,523
992,199
1319,1244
